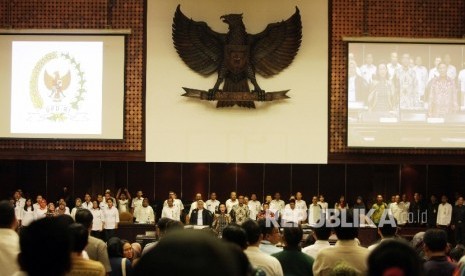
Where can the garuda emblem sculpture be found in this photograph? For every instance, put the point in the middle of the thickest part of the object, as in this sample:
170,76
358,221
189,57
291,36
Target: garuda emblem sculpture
236,56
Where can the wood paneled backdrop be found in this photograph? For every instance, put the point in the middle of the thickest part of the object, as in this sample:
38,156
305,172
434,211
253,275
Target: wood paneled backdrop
95,165
186,179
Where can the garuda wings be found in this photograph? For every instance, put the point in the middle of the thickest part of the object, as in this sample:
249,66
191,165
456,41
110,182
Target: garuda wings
236,56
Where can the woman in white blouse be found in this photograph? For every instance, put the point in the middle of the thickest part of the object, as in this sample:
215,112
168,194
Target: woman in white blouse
97,222
27,214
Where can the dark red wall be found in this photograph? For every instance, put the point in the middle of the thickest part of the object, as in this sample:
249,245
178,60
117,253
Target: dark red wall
157,179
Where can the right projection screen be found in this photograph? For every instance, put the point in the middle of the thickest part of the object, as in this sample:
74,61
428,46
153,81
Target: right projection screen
406,94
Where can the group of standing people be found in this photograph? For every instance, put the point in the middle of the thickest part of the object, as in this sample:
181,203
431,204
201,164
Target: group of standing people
390,87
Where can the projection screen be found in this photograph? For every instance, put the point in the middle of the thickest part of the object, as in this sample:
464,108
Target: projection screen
406,94
62,86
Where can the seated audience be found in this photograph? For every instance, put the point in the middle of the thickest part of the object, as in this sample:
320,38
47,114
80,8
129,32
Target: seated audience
270,238
456,253
258,259
160,232
50,234
235,234
96,249
79,265
321,235
435,243
386,231
9,240
394,257
292,260
346,249
212,257
119,264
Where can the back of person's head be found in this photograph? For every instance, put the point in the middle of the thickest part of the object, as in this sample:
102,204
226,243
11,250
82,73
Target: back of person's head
322,232
79,236
173,226
7,214
212,256
235,234
343,269
346,230
161,225
265,228
388,230
84,217
435,240
457,252
252,229
50,234
115,247
293,236
394,256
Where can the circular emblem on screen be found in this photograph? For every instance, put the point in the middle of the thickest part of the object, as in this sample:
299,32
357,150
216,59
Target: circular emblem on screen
57,85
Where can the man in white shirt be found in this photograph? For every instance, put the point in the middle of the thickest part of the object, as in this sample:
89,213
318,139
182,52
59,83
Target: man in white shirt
254,206
171,211
198,196
9,240
176,202
292,215
444,213
87,204
231,202
270,265
145,213
396,209
321,235
314,212
137,202
19,203
102,204
212,204
38,200
110,219
123,199
277,204
299,202
368,70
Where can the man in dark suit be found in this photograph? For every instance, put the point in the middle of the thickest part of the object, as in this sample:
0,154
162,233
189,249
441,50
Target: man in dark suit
200,215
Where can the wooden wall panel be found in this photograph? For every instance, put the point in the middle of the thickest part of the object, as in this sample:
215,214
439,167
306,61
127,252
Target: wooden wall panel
250,180
141,176
413,180
87,178
195,178
156,179
305,180
32,178
168,177
223,179
59,175
332,182
278,179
